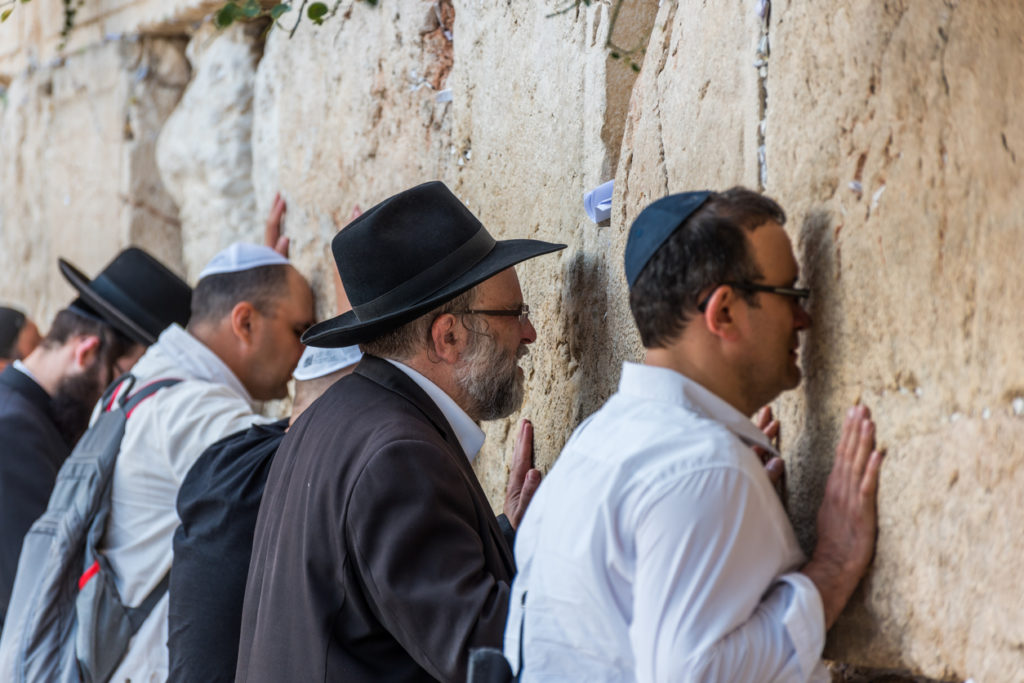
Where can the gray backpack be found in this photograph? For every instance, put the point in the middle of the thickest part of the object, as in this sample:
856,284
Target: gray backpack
66,622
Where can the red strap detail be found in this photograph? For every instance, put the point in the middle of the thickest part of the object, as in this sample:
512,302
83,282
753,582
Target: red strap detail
113,397
137,405
92,571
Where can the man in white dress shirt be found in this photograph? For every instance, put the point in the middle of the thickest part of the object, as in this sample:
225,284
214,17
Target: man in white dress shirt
249,309
657,548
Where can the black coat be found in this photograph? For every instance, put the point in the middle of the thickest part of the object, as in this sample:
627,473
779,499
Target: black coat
377,556
217,503
31,452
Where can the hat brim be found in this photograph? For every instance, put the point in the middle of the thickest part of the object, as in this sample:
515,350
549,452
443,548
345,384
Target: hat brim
347,329
104,308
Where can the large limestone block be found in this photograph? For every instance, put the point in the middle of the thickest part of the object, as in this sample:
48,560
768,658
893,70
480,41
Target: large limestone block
346,114
894,139
540,106
76,163
890,135
536,103
32,34
205,148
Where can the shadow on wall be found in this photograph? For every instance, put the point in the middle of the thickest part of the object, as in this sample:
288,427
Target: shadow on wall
593,367
817,428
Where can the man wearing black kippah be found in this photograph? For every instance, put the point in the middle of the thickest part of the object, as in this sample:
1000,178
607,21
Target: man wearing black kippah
47,398
657,548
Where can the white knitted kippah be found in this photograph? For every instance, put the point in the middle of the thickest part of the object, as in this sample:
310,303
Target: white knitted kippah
317,362
241,256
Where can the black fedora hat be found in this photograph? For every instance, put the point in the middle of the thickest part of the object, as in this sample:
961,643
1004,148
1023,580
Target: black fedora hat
410,254
135,294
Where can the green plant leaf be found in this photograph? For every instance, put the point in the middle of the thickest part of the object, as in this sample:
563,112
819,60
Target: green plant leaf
3,15
277,10
251,9
226,15
371,2
316,12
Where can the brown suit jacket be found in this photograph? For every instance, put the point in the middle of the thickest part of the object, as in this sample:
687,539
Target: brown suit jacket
377,556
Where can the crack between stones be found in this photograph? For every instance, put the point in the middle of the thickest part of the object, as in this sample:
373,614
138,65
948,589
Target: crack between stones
761,64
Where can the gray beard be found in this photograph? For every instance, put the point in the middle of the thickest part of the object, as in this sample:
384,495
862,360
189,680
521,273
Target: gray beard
489,379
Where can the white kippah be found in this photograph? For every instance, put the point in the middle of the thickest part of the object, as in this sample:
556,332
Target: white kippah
317,362
241,256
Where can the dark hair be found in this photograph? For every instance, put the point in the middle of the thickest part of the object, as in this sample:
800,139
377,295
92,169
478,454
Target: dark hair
403,342
11,324
68,323
216,295
709,248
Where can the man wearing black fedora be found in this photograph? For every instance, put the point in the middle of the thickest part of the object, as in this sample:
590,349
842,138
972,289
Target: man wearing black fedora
377,556
46,399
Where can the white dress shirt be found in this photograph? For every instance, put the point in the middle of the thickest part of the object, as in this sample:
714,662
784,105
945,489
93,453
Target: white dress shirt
656,549
163,438
468,433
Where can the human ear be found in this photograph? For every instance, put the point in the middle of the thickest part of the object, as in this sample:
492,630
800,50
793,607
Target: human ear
445,338
719,315
86,349
243,320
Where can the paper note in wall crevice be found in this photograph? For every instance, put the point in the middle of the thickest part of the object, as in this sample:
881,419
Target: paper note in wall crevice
598,202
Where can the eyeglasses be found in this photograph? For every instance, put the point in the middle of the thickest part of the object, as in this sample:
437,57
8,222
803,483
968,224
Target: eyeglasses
792,292
522,312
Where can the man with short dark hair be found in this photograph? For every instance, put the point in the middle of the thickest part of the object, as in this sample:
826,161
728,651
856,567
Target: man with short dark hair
249,309
46,399
19,336
657,549
377,556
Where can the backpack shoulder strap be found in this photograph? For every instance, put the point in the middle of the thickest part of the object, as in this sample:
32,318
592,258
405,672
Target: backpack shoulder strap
137,615
145,392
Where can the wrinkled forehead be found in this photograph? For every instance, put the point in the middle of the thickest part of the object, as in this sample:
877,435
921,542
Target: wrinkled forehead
773,252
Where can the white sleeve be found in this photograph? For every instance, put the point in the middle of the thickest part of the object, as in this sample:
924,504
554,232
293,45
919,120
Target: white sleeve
709,601
196,414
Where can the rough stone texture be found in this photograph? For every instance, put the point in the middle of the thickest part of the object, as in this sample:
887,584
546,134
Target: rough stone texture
77,169
888,130
205,149
918,278
31,36
345,114
535,98
912,105
536,101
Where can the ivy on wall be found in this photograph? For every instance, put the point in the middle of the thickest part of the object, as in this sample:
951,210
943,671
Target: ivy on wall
249,10
317,12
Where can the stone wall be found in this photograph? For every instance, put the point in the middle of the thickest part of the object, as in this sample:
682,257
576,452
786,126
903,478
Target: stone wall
887,130
890,136
77,166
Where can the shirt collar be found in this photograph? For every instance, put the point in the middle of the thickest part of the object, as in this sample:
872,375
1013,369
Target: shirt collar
468,433
21,367
663,384
197,360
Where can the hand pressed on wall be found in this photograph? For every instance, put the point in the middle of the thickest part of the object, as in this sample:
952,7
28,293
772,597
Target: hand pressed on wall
847,519
523,480
773,465
272,236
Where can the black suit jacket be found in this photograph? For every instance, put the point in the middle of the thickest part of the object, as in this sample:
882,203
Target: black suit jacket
377,556
31,452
